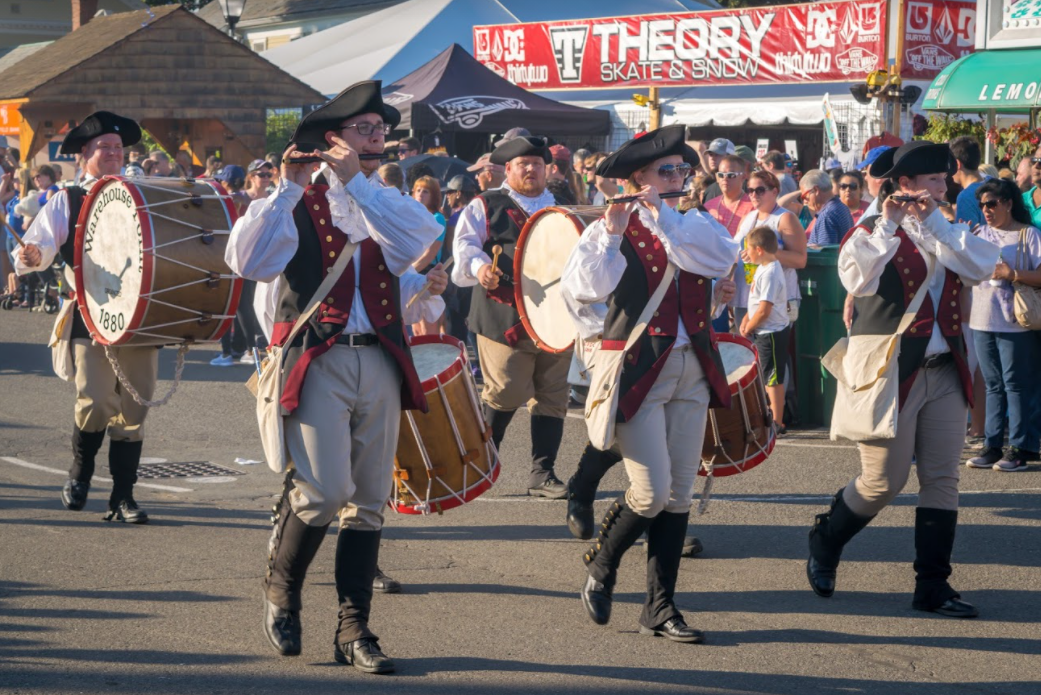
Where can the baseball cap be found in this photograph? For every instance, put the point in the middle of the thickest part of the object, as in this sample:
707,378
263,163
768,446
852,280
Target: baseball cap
232,172
745,153
721,146
485,160
560,152
256,164
832,163
461,183
871,156
511,134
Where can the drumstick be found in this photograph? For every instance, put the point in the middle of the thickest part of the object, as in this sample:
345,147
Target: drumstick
426,287
631,198
13,233
496,250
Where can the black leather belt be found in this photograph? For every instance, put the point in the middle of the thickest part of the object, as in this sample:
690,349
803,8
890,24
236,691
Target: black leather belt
357,339
940,360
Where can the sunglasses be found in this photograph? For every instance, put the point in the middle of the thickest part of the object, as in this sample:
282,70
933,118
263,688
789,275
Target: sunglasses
990,204
262,175
758,190
668,171
728,174
849,186
807,192
1036,161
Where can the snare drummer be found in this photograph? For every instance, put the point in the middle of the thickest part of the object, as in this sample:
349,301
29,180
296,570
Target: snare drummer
351,374
672,375
515,370
100,401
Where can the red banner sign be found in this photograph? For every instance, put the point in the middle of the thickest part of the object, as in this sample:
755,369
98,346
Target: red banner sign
937,33
817,42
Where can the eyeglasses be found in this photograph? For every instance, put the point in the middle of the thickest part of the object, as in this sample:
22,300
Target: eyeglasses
804,194
728,174
849,186
668,171
758,190
990,204
367,129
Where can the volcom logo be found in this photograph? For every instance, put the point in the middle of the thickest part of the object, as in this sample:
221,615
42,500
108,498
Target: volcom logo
569,45
468,112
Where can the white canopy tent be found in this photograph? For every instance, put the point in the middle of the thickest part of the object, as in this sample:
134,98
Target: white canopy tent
393,42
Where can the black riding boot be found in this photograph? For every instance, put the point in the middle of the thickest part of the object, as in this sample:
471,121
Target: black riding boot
498,421
620,528
664,547
123,459
582,488
291,549
546,433
85,447
357,554
933,542
830,533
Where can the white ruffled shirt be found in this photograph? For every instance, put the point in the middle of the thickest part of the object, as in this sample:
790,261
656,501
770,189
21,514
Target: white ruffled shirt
693,242
264,240
953,246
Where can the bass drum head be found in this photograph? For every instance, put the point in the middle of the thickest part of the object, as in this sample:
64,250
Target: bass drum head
112,268
543,248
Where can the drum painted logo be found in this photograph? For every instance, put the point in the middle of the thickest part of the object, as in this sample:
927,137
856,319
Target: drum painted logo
468,112
112,260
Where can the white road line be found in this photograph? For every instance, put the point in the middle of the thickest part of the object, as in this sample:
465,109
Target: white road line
97,478
796,442
772,498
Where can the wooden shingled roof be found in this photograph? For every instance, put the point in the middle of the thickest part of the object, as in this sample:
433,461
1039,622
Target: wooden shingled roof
66,53
163,63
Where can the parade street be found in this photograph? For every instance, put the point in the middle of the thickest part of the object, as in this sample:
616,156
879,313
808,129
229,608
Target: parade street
490,602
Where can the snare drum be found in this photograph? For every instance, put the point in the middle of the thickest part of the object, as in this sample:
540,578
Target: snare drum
742,436
149,261
543,248
445,458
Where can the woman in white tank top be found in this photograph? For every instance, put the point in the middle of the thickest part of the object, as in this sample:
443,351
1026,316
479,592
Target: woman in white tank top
764,188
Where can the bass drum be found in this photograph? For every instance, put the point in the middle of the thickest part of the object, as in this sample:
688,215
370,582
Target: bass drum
445,457
542,251
740,437
149,261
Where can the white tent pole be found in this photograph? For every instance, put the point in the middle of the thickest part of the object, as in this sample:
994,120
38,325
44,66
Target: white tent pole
988,154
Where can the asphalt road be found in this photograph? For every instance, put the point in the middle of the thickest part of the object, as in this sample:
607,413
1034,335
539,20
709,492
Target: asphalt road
491,590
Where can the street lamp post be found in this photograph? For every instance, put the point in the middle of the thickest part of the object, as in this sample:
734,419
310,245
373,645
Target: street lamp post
232,10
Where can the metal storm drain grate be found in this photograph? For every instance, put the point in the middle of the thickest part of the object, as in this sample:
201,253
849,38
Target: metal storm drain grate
187,469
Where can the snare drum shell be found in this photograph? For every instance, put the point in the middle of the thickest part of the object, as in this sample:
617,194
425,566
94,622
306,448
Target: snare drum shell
452,482
174,304
732,421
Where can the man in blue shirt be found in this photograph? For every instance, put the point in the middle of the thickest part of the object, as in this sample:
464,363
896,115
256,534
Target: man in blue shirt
832,218
966,151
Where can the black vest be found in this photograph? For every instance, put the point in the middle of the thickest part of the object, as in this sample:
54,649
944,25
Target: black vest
692,301
494,314
320,243
67,251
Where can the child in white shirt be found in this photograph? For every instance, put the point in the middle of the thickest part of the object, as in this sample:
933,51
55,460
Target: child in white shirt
766,323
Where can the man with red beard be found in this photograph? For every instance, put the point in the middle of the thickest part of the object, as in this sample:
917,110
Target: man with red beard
515,370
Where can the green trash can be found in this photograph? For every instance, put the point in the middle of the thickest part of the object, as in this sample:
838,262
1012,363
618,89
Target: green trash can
817,330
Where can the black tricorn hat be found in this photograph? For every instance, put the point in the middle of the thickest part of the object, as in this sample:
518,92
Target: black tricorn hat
521,146
641,151
916,158
363,97
97,124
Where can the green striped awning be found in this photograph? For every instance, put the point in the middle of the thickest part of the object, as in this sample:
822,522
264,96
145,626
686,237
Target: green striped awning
1003,80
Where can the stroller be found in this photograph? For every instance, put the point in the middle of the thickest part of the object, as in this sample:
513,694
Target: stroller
43,289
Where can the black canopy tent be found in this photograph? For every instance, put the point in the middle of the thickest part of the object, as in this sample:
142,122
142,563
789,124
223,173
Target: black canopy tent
461,98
